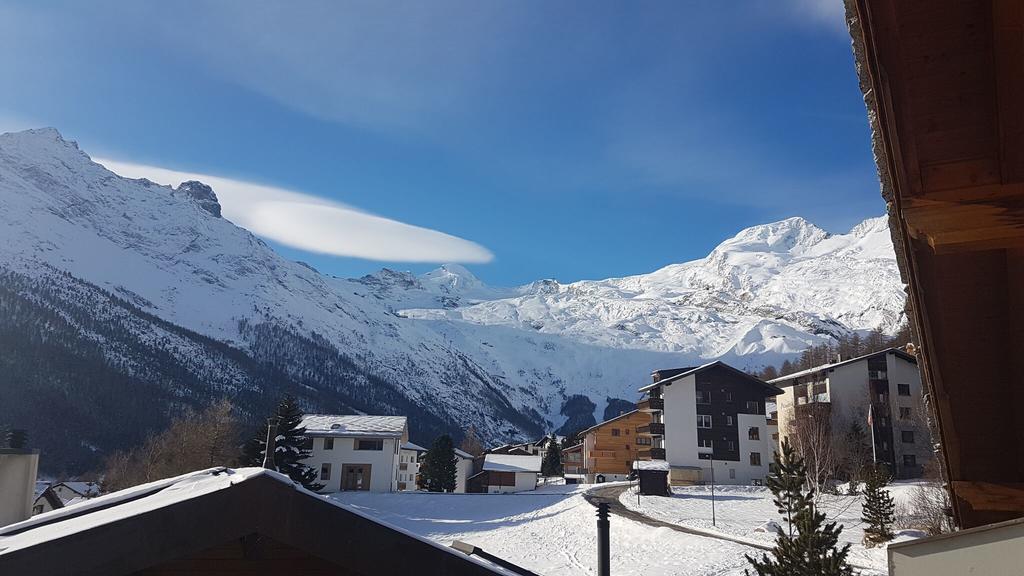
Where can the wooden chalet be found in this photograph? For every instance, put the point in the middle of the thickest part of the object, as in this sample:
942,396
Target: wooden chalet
611,447
943,81
221,522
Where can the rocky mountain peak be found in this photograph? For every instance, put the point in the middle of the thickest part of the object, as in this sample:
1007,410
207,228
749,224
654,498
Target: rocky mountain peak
201,194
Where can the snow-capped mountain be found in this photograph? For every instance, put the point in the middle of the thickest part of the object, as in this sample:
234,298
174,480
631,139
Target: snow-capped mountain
155,302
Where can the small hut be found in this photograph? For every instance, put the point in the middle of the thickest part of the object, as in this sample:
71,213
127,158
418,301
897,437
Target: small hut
653,475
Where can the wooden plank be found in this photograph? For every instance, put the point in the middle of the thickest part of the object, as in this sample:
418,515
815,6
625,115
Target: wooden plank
1008,46
991,496
937,176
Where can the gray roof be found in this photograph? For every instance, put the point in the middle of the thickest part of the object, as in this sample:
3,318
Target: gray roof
354,425
782,380
772,390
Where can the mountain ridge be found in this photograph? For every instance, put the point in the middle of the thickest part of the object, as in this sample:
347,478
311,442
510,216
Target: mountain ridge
443,346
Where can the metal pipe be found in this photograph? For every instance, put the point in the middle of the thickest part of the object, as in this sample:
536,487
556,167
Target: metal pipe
604,555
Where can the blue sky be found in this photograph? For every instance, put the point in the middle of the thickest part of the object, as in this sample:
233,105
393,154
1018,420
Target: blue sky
569,140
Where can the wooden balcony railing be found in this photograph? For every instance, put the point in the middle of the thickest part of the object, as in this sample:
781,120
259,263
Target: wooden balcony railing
651,404
652,429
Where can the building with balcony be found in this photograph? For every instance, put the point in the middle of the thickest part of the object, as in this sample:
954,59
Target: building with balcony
885,385
709,422
356,452
610,448
409,465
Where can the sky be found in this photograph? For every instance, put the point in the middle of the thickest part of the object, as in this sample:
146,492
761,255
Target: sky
526,139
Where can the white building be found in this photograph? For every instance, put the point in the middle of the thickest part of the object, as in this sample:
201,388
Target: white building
356,452
503,473
463,470
887,383
64,494
409,465
709,422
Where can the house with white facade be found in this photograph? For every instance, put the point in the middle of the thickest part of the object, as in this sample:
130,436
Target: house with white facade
355,452
503,473
709,423
64,494
409,465
884,385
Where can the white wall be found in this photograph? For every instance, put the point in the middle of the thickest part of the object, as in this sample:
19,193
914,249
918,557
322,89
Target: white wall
525,481
463,470
17,486
383,463
994,550
412,467
745,473
903,372
680,417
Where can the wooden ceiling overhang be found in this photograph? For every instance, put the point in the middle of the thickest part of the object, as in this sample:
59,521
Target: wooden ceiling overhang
943,81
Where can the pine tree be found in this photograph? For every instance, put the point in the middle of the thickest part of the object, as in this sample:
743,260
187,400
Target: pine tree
552,464
471,443
879,509
812,551
292,445
438,469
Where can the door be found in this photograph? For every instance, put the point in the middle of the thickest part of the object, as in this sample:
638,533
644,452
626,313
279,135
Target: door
355,477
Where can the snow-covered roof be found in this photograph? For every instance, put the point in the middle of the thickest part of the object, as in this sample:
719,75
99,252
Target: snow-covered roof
651,465
511,463
785,380
462,454
354,425
411,446
83,488
769,388
146,498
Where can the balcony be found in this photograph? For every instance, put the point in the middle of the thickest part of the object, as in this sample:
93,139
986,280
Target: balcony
877,375
653,454
652,429
403,466
651,404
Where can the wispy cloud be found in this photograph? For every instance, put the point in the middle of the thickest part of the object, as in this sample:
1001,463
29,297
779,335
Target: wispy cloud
828,13
316,224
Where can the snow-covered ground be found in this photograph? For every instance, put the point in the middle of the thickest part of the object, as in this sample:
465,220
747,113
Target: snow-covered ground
744,511
552,531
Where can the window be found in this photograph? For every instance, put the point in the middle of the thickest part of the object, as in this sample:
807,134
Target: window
753,407
903,389
728,396
728,420
328,443
704,455
755,458
703,421
705,443
643,441
325,471
732,446
377,444
909,460
307,444
703,397
627,431
908,437
732,473
754,433
615,431
628,446
904,413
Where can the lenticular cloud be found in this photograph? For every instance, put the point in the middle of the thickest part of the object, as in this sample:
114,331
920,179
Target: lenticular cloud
316,224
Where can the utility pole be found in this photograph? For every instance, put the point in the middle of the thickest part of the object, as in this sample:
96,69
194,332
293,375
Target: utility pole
713,489
604,556
268,456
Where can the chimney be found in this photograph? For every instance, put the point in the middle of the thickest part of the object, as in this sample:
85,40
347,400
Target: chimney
268,457
18,468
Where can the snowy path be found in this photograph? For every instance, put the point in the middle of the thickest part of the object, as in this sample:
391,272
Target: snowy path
552,532
611,495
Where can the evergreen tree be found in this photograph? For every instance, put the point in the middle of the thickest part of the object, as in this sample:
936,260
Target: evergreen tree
438,468
471,443
812,551
292,445
552,464
879,508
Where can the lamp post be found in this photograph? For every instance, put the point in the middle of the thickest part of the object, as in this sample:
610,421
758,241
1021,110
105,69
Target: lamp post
713,489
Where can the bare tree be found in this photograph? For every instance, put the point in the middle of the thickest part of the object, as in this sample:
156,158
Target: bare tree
812,432
471,443
194,441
